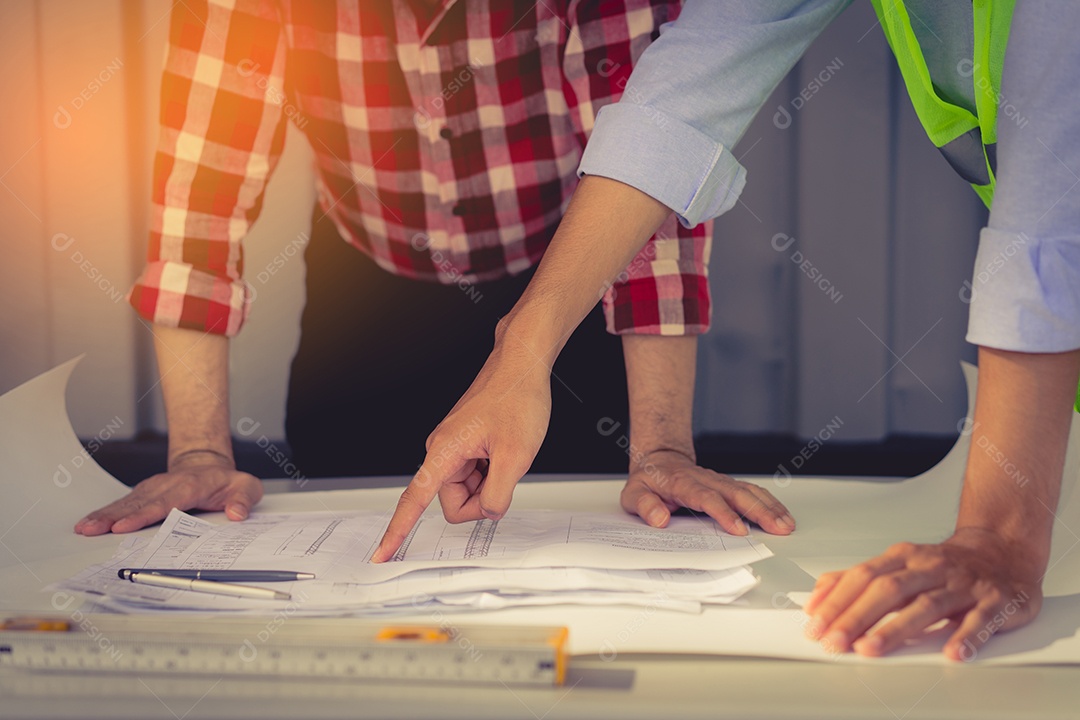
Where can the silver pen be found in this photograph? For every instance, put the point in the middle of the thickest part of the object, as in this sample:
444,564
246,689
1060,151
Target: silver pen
222,575
208,586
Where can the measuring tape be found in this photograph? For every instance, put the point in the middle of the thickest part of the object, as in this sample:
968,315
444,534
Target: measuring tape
341,648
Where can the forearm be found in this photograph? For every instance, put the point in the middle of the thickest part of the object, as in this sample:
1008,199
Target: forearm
1018,441
195,384
201,472
606,224
664,474
660,384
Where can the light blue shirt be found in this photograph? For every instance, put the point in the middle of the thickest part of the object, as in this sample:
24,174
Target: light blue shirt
695,90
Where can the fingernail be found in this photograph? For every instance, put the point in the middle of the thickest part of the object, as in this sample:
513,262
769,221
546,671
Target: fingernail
237,512
740,527
835,641
92,526
869,645
813,629
656,517
783,524
789,521
961,652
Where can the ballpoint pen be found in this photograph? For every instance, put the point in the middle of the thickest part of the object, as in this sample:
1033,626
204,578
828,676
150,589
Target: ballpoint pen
207,586
222,575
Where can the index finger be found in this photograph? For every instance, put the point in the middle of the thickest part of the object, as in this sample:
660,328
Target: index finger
411,505
132,512
768,512
101,520
145,515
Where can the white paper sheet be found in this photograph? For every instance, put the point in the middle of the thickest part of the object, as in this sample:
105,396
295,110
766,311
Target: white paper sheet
336,547
49,481
416,589
493,601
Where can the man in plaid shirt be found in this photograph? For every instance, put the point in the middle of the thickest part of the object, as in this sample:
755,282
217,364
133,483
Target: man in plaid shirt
446,135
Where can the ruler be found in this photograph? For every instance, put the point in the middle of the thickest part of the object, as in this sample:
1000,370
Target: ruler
324,648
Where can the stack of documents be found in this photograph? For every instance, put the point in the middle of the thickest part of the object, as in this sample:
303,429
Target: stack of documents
530,557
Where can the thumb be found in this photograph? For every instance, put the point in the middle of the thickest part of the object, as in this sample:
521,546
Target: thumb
242,497
504,470
638,499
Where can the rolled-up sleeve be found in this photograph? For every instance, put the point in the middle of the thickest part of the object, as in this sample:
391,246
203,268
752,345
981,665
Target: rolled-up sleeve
1025,288
221,137
673,162
692,95
665,289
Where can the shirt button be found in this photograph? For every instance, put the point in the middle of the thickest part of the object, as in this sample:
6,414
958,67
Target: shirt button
459,209
446,133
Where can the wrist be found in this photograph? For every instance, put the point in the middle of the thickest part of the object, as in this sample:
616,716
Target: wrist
531,335
653,438
1007,507
200,456
1025,559
644,455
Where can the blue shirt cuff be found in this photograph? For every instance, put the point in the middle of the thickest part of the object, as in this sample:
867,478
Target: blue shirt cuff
665,158
1025,293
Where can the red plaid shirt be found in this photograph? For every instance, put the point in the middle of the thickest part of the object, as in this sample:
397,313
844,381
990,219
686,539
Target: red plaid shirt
446,142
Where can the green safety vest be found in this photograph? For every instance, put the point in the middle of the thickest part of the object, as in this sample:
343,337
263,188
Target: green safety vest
968,142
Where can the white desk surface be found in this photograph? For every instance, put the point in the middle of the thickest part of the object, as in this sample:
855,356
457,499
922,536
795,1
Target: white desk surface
631,686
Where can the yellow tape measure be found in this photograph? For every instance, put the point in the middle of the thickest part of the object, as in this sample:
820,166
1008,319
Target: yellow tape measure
344,648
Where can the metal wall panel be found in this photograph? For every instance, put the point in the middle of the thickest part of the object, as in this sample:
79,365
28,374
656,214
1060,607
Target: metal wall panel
882,234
